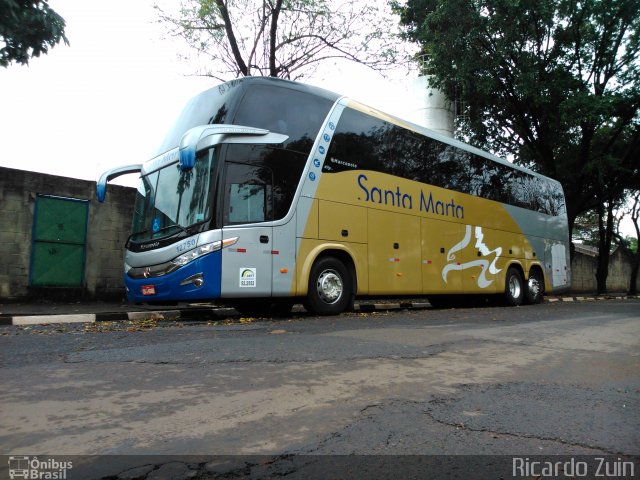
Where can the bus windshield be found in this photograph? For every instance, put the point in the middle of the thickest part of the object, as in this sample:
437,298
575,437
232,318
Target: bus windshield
170,200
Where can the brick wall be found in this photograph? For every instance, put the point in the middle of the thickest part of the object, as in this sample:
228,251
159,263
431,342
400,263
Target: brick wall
107,230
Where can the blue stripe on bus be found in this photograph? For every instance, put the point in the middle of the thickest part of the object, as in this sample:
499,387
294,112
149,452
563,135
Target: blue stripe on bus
168,288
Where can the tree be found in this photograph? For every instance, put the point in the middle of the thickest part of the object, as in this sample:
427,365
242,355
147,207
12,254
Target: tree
630,245
553,83
284,38
586,228
28,28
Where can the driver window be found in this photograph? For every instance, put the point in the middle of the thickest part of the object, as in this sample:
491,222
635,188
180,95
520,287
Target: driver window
248,190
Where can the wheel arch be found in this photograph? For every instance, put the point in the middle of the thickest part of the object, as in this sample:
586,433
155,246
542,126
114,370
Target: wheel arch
518,266
537,267
338,251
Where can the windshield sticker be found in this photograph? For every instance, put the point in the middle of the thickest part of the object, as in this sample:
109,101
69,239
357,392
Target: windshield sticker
247,277
156,225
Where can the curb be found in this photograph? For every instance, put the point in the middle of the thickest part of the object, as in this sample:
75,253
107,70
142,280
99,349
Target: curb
22,320
195,313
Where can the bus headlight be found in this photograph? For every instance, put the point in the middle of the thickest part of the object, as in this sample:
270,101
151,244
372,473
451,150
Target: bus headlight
196,253
166,268
202,250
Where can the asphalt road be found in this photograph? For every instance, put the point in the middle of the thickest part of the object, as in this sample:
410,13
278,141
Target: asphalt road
552,379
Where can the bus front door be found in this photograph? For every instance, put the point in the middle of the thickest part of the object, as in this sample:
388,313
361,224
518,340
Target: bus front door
247,265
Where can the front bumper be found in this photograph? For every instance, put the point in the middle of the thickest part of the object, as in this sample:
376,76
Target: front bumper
176,286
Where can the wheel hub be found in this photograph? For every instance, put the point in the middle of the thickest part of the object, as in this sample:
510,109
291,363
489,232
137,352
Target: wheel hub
534,287
330,286
514,287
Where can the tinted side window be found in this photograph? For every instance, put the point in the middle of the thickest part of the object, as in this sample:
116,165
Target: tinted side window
364,142
259,176
248,194
282,110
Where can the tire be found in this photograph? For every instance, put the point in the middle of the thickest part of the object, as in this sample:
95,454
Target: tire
534,292
330,288
514,289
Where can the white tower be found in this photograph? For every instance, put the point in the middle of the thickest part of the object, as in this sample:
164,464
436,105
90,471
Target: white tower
429,107
412,99
409,98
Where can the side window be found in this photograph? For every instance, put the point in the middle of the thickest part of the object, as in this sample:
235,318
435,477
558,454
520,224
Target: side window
261,182
356,143
248,194
363,142
247,203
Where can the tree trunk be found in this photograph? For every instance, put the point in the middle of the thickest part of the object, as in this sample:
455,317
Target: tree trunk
604,246
273,38
633,290
635,214
233,43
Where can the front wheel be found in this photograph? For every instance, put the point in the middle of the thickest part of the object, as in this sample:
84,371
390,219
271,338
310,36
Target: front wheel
330,287
514,288
535,288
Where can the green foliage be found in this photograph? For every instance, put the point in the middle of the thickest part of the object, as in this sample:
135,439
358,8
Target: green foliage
585,229
553,83
631,243
28,28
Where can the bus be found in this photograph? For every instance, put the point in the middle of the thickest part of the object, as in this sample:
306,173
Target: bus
268,192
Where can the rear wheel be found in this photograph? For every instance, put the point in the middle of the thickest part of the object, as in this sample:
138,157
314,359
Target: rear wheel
330,287
514,288
535,287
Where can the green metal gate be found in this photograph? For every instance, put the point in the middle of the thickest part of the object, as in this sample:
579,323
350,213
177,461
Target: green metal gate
59,240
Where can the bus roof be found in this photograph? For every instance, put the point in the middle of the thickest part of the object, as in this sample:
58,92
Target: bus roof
199,108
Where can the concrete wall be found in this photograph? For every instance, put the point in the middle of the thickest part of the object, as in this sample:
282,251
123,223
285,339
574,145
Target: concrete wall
584,267
107,231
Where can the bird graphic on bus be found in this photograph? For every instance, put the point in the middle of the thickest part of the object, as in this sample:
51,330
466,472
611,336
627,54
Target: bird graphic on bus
486,265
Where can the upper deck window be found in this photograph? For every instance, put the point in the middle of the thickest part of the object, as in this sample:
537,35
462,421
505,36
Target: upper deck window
368,143
283,110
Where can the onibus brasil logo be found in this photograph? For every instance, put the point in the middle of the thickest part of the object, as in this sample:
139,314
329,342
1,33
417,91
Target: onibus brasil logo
36,469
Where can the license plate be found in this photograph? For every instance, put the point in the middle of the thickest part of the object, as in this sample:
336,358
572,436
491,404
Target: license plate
148,290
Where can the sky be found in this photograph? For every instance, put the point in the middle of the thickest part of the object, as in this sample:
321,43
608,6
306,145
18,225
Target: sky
109,98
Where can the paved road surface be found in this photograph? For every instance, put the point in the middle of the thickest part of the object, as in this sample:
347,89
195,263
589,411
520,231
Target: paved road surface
551,379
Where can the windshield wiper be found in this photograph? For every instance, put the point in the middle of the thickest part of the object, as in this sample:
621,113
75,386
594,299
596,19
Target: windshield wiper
175,225
143,232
